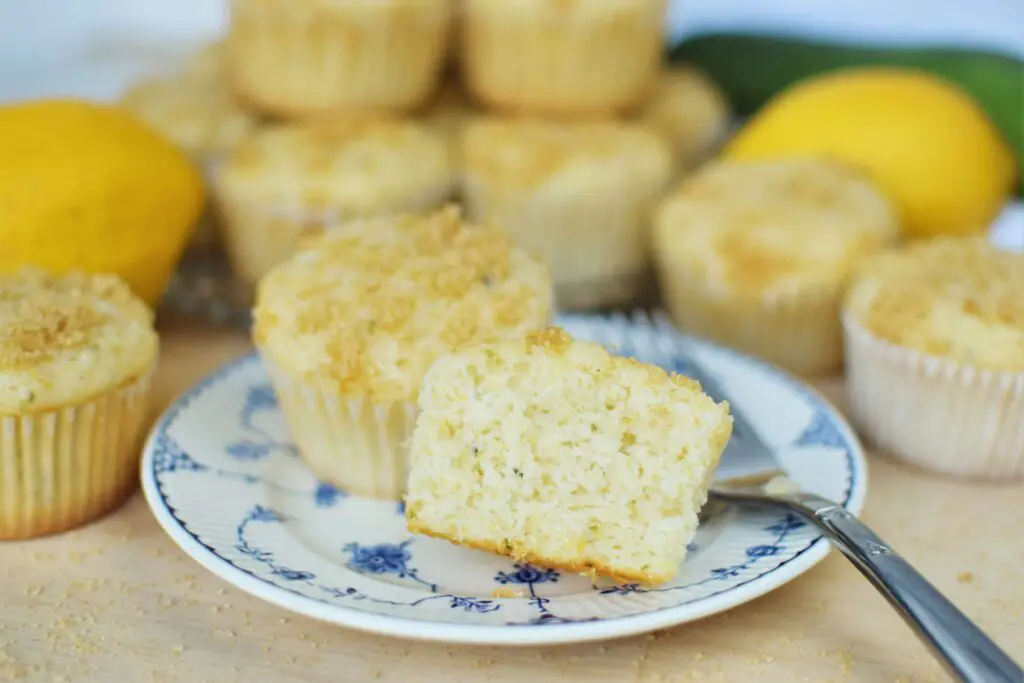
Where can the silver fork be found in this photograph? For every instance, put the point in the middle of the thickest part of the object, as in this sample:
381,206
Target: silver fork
968,654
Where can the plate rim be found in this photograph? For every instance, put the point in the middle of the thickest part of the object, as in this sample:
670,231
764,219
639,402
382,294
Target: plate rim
498,634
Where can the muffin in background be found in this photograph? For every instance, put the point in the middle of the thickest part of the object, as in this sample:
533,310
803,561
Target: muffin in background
288,181
194,110
558,429
582,58
311,58
757,255
349,325
935,356
450,110
578,195
76,356
209,61
690,112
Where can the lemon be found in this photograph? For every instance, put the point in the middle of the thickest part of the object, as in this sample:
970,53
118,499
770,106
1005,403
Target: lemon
85,186
923,141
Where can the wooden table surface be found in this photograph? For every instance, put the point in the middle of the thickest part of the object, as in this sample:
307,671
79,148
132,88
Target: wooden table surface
118,602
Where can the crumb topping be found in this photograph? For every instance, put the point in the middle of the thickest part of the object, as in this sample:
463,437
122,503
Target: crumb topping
51,326
553,339
960,298
370,304
520,153
759,229
357,164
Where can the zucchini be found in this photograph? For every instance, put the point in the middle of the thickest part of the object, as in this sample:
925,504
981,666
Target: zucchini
752,68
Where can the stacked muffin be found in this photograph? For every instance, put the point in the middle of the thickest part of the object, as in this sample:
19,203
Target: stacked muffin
555,121
577,147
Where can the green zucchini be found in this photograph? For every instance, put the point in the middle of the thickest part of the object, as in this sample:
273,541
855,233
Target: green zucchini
752,68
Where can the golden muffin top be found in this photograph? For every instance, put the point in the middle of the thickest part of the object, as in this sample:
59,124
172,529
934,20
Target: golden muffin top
355,167
66,339
526,154
956,298
763,229
367,307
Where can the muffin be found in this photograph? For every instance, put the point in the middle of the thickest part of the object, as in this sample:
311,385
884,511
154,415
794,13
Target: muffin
935,356
349,325
195,111
209,61
512,436
690,112
303,58
757,255
291,180
577,194
579,58
449,111
76,355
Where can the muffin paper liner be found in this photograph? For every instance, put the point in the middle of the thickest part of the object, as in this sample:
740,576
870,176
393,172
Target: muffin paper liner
64,467
560,67
933,412
295,59
798,331
595,244
350,442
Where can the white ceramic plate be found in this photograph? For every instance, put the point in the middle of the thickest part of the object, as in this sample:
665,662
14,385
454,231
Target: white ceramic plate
223,479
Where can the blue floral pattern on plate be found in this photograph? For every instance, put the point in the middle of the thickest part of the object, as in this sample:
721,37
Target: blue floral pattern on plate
222,477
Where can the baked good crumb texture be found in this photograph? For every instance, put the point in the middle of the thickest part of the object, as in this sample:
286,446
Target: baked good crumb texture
961,299
349,325
76,356
67,339
553,451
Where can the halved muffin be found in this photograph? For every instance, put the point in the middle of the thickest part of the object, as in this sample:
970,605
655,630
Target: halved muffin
348,326
553,451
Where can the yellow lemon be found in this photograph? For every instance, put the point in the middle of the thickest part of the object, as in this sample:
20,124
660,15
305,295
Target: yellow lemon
924,142
86,186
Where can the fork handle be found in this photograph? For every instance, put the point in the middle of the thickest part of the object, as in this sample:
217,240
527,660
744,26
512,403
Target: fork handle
968,654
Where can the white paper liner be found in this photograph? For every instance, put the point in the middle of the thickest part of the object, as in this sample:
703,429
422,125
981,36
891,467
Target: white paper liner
933,412
589,63
351,442
798,331
64,467
300,59
596,244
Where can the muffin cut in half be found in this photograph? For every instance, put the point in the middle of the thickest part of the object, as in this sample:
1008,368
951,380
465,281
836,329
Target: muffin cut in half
348,327
555,452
